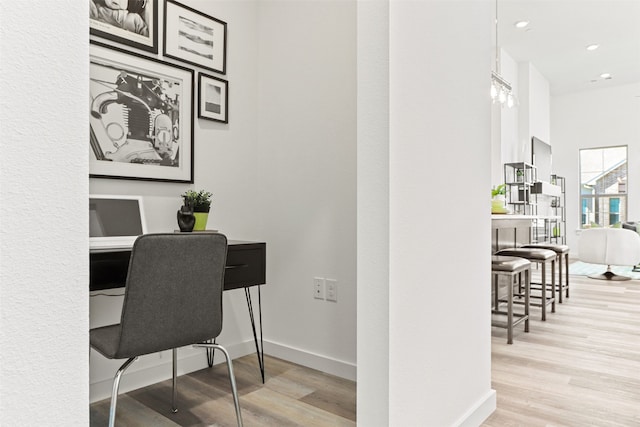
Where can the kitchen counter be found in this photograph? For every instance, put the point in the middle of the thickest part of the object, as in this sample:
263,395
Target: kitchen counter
510,231
524,217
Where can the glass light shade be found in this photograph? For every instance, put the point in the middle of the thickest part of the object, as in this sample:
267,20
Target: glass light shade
502,95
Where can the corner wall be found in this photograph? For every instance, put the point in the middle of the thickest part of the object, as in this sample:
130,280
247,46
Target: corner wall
44,328
373,213
439,337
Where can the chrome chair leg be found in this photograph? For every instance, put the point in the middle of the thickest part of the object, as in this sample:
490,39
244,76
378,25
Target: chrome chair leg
174,398
114,391
232,377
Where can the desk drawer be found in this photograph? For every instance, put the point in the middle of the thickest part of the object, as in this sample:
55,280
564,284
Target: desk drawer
246,265
108,270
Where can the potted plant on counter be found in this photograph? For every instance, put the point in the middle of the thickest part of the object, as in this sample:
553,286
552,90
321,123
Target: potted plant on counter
498,199
200,204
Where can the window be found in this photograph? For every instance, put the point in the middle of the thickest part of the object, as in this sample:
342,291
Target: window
603,186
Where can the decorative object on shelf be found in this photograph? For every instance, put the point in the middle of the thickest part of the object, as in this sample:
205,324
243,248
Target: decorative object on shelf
135,25
195,38
213,98
141,117
498,199
200,203
186,218
501,89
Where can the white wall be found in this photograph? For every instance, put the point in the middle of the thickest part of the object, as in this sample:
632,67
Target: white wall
439,145
512,128
539,108
512,150
43,222
373,213
533,111
595,118
307,186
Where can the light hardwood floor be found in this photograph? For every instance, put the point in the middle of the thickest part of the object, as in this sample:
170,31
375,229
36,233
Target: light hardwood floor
292,395
579,368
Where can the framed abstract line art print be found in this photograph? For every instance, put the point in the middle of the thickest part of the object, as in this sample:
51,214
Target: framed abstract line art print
213,98
141,117
130,22
195,38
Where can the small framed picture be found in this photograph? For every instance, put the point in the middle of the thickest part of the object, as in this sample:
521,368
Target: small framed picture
213,98
130,22
195,38
141,117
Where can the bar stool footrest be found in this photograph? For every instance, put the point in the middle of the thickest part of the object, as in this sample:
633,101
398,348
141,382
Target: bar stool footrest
520,318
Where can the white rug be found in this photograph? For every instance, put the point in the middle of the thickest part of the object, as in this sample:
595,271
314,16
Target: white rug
580,268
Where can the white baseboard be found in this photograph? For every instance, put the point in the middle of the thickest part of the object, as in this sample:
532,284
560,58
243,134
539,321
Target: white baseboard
322,363
147,375
479,412
157,372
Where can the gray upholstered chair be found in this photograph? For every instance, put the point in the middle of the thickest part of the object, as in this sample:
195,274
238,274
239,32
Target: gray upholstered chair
173,298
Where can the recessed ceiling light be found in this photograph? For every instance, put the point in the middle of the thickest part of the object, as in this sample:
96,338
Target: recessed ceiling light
521,24
605,76
593,46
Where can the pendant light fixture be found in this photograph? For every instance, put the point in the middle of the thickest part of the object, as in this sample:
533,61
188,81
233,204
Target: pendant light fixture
501,89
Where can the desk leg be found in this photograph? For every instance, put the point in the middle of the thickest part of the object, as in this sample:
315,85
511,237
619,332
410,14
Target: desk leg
259,347
210,351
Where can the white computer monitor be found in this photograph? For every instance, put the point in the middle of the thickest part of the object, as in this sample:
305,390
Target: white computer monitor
115,221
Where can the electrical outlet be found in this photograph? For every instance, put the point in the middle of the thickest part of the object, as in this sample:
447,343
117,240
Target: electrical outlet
318,287
332,290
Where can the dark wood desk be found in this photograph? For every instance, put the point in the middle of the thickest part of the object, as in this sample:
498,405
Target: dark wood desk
246,268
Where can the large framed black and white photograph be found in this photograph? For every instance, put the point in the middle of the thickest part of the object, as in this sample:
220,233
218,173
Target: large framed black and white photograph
193,37
141,117
213,98
130,22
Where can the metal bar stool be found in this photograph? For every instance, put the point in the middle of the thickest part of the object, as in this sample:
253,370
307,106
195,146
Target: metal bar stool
562,251
510,267
539,257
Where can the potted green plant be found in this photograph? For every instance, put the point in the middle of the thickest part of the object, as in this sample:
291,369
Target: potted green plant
498,199
200,203
499,190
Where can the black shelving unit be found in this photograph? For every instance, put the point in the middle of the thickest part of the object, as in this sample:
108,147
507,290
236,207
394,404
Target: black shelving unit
519,179
558,228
